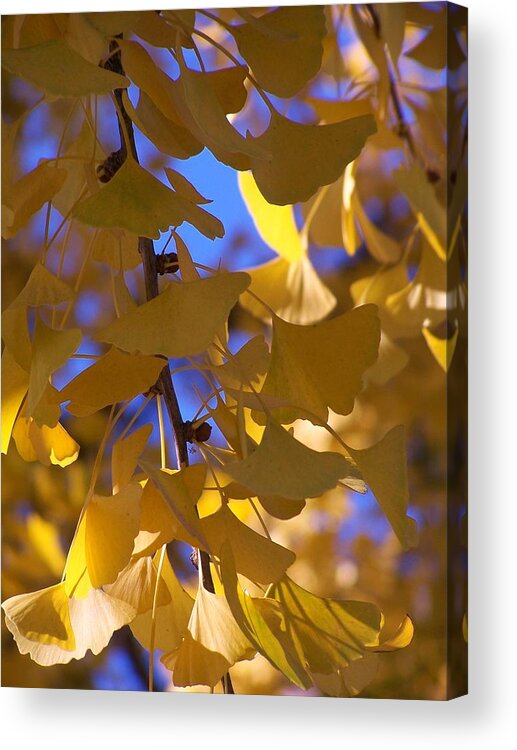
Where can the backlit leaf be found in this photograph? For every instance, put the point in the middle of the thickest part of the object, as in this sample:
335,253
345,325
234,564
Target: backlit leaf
60,70
15,383
29,193
182,320
48,445
125,454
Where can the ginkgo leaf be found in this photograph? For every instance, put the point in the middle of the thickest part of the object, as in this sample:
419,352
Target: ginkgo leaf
380,245
181,185
292,289
279,507
255,627
93,621
316,154
29,193
117,249
275,224
158,524
125,454
137,585
281,465
429,212
15,383
401,638
331,633
171,621
351,680
42,616
60,71
383,467
392,27
256,557
42,288
320,366
15,334
182,320
284,48
50,350
392,360
213,626
48,445
193,664
169,137
246,366
202,111
442,349
182,490
122,299
135,200
117,376
104,539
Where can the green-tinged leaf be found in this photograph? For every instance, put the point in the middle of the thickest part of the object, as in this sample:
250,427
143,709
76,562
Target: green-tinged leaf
50,351
256,557
284,48
246,366
281,465
348,681
321,366
135,200
383,467
330,633
42,288
28,194
256,628
60,71
117,376
183,187
117,249
182,320
316,154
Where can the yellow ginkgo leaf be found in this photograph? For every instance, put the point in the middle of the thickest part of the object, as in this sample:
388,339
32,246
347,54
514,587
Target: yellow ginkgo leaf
246,366
383,467
169,137
104,540
292,289
256,557
181,491
93,621
171,621
283,48
281,465
48,445
279,507
15,383
401,638
331,633
275,224
316,154
321,366
60,71
442,349
158,524
429,212
111,525
29,193
125,454
117,376
193,664
138,202
198,309
50,351
213,625
349,681
42,288
136,585
116,249
182,186
42,616
15,334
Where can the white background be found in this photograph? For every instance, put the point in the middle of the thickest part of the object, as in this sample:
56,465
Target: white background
484,719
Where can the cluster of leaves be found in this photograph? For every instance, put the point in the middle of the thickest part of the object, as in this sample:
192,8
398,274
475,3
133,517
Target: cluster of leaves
269,403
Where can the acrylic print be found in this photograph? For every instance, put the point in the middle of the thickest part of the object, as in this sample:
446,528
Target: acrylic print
234,350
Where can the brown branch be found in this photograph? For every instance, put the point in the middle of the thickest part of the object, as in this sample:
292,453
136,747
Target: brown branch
164,383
